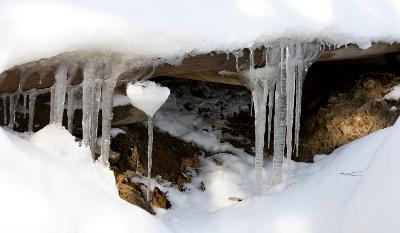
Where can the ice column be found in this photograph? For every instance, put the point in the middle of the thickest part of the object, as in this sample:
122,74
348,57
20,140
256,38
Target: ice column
4,100
71,105
107,115
279,121
58,93
88,98
294,58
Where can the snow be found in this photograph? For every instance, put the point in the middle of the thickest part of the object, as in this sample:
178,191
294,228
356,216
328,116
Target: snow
374,205
394,94
315,201
120,100
38,29
147,96
50,184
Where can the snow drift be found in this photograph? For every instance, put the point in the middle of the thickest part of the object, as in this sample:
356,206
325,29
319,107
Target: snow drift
59,189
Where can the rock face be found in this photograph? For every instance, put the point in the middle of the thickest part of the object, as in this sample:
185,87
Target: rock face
349,108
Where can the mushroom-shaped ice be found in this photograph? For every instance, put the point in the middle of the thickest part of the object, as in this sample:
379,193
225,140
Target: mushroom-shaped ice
147,96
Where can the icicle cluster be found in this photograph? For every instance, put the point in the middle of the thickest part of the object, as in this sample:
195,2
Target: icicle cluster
279,86
96,91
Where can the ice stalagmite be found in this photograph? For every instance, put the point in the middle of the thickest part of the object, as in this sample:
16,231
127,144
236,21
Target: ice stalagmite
148,97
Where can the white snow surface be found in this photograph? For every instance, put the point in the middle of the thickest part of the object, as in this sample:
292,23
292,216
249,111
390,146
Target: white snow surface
342,186
147,96
50,184
169,29
394,94
374,206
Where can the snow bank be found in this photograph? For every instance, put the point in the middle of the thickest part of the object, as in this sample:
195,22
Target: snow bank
147,96
314,203
375,206
36,29
54,187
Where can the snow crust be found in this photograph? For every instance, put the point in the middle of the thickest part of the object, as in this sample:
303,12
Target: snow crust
50,184
374,205
147,96
318,200
38,29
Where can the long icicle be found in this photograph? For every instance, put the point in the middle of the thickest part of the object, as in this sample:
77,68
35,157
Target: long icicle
279,123
259,101
149,154
96,101
60,88
107,115
88,86
31,114
4,99
71,104
290,97
271,99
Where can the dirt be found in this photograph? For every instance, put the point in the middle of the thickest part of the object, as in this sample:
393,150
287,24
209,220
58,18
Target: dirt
171,156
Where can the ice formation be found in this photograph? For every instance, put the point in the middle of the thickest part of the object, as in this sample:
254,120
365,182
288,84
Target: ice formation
278,85
149,97
276,95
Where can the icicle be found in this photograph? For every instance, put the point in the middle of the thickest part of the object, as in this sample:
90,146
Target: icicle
13,104
4,98
149,154
52,98
58,93
259,123
237,54
299,90
279,122
95,114
31,114
71,104
24,95
251,58
271,99
88,86
107,115
290,90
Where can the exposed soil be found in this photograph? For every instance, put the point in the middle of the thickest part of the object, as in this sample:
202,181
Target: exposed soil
171,156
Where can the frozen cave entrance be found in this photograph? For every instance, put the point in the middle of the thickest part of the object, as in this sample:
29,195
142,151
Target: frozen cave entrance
85,83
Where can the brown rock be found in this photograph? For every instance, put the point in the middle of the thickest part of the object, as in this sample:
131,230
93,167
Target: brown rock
132,193
159,199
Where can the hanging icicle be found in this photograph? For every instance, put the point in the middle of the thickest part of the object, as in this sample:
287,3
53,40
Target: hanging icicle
58,93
